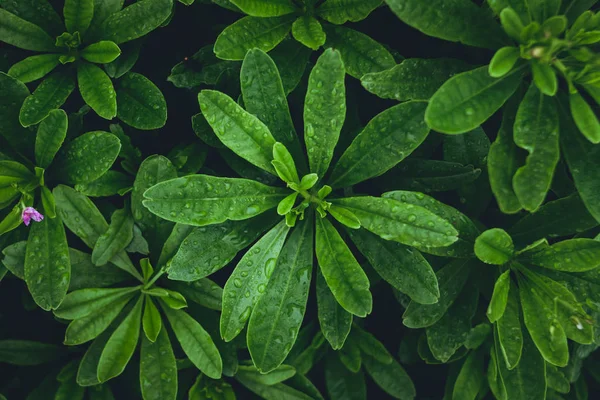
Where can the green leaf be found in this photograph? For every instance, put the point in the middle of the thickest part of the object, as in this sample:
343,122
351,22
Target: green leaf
462,21
573,9
468,99
51,134
252,32
121,345
204,292
102,52
274,392
38,12
264,97
78,15
503,61
172,299
151,320
23,34
115,239
341,383
278,375
370,346
509,330
343,274
405,223
503,160
335,322
185,199
545,78
284,164
544,328
350,355
449,333
82,218
47,263
14,258
250,276
265,8
494,246
478,335
451,280
402,267
49,95
308,31
536,130
413,79
27,353
153,170
467,231
324,110
102,10
470,379
84,302
87,158
497,305
276,319
541,10
196,343
575,255
84,329
386,140
239,130
585,118
520,6
361,54
340,11
432,175
135,20
512,22
34,67
97,90
158,369
392,378
291,58
111,183
140,103
14,93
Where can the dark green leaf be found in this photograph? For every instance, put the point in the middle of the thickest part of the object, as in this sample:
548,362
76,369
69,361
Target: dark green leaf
308,31
341,383
135,20
78,15
49,95
26,353
158,369
50,136
118,235
34,67
497,305
494,246
340,11
335,322
509,330
84,302
265,8
392,378
140,103
23,34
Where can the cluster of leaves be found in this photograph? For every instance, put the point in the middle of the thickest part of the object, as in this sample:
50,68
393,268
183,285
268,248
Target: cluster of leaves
273,254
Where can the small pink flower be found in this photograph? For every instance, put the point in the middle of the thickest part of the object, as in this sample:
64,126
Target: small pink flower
30,213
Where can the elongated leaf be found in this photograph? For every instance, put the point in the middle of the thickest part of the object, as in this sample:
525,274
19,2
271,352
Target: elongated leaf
158,369
280,374
575,255
273,392
404,223
520,6
392,135
370,346
47,263
276,319
204,292
449,333
462,21
413,79
26,352
88,157
265,8
308,31
402,267
343,384
151,320
451,280
499,299
324,110
509,330
432,175
102,52
196,343
536,130
470,379
241,131
335,322
82,218
109,184
38,12
49,95
582,159
468,99
264,97
392,378
541,10
360,53
291,58
467,231
82,330
50,136
14,92
115,239
250,276
343,274
135,20
78,15
81,303
340,11
34,67
23,34
185,199
252,32
121,345
140,103
545,330
350,355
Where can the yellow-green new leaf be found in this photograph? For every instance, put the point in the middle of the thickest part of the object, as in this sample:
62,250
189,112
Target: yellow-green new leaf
499,299
97,90
151,320
102,52
503,61
509,330
494,246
